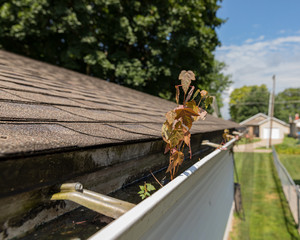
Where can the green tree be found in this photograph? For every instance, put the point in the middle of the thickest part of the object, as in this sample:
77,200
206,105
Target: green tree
287,103
140,44
248,101
217,82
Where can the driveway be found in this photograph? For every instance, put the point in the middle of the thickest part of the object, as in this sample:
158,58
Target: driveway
252,147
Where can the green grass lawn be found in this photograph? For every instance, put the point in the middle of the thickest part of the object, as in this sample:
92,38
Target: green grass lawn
292,165
246,141
289,154
266,211
288,146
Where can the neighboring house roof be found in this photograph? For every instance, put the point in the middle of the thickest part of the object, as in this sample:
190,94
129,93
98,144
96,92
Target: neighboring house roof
45,108
259,119
276,120
254,120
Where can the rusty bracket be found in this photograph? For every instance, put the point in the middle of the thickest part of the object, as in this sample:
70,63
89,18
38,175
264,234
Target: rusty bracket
236,133
97,202
208,143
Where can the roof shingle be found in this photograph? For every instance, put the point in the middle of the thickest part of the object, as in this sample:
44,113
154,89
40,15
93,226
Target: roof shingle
44,107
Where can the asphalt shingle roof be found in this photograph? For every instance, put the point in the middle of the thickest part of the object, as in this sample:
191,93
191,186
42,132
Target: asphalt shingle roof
48,108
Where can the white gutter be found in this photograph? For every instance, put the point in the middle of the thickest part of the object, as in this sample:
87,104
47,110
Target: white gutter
195,205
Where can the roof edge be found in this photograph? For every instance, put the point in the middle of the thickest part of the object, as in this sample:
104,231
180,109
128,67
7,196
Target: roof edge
251,118
275,119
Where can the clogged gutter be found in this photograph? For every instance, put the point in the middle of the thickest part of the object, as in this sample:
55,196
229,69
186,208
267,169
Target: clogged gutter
82,222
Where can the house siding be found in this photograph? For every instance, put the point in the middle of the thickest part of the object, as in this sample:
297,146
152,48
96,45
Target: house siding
282,129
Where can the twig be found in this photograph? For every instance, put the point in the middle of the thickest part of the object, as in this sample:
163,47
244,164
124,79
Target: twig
80,222
156,179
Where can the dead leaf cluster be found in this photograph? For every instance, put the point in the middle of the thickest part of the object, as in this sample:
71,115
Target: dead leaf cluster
179,121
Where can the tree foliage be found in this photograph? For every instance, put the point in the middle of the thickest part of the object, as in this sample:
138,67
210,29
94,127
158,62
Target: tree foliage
217,82
248,101
140,44
287,103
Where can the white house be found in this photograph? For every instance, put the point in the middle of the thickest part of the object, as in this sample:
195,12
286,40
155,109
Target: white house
259,126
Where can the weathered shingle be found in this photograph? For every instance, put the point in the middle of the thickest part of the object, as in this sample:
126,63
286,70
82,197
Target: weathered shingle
47,108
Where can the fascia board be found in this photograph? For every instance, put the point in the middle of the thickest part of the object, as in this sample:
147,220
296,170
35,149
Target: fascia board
276,120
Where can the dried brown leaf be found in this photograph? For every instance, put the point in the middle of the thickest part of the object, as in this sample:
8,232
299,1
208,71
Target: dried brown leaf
167,149
176,160
186,77
187,137
166,131
177,94
176,137
192,105
186,115
190,94
202,114
171,116
204,93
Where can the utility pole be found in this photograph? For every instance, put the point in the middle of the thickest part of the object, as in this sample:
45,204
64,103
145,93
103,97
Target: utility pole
271,112
215,107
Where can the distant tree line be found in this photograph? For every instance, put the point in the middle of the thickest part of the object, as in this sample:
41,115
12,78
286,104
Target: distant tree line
139,44
250,100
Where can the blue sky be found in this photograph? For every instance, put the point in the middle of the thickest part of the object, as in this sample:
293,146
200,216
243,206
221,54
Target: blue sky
259,39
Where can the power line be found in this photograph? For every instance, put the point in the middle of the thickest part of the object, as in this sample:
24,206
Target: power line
253,103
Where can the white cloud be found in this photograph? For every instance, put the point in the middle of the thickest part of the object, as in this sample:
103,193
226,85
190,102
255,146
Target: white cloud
250,40
257,60
282,31
262,37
